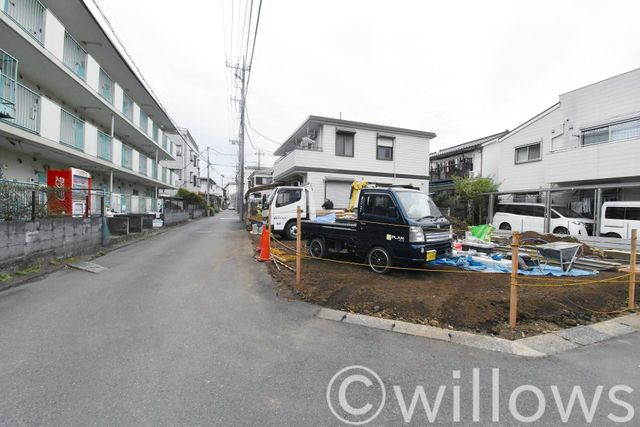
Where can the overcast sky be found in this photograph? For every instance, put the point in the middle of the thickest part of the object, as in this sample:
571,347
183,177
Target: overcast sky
461,69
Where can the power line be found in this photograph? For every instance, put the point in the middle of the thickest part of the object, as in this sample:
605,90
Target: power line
264,136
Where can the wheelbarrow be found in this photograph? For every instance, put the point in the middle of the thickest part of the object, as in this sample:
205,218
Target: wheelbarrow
566,253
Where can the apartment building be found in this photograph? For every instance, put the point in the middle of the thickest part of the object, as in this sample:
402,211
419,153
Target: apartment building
69,98
588,143
329,154
186,163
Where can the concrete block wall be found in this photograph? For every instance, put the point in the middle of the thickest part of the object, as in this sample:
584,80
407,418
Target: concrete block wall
27,242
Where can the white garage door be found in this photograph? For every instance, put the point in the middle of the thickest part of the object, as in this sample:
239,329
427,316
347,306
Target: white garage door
338,192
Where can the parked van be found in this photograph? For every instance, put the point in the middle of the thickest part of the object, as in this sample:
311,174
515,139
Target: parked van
530,217
619,218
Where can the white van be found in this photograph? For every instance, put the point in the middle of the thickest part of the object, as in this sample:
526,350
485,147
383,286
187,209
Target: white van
530,217
283,203
619,218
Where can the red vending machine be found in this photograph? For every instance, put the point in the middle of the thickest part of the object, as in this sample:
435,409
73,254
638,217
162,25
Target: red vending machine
71,192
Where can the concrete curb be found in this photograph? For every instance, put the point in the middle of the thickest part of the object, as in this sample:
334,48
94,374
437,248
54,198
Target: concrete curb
536,346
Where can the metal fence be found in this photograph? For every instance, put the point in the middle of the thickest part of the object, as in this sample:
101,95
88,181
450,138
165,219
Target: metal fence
29,14
29,202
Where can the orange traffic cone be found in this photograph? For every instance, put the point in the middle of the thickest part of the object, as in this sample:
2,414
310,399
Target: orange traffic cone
264,237
265,247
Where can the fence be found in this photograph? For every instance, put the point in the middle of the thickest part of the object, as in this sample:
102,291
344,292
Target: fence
29,202
29,14
27,111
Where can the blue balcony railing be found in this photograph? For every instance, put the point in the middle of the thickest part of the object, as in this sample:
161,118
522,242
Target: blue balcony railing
27,109
72,130
74,56
28,14
106,86
105,146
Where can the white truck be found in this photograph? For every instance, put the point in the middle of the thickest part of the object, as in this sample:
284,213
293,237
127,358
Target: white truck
283,204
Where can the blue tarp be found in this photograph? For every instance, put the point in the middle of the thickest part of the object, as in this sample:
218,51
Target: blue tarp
467,263
327,218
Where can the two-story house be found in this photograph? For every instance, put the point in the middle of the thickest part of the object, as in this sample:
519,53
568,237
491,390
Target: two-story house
587,143
329,154
462,160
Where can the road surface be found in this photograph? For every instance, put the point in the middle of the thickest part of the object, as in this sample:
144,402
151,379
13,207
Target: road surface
185,329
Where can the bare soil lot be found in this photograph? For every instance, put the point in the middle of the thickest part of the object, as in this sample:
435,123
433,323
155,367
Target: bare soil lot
477,302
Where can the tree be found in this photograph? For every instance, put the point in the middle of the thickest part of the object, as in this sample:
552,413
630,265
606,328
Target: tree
473,191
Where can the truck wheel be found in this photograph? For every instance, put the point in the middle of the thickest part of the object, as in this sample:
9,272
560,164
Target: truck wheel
291,230
560,230
613,235
317,248
505,226
379,260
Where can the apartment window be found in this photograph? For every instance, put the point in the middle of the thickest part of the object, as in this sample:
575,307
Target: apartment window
156,133
144,121
74,56
105,146
71,130
127,107
616,132
142,164
127,154
344,144
106,86
384,149
529,153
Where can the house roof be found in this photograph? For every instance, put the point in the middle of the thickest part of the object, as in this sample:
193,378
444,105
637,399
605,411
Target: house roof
290,143
466,146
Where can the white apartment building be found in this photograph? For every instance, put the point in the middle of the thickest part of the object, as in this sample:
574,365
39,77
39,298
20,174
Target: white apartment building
589,139
186,165
68,98
329,154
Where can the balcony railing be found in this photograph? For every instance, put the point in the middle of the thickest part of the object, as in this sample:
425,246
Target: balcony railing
74,56
142,164
447,172
28,14
8,76
71,130
27,109
127,107
105,146
106,86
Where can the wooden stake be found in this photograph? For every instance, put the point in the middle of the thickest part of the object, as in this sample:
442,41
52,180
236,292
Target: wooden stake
632,269
298,246
513,300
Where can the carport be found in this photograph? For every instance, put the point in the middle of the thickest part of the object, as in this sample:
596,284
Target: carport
545,195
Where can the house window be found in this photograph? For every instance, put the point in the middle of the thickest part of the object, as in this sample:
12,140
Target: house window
529,153
384,149
617,132
344,144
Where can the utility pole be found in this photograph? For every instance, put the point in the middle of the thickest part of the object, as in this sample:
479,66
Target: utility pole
241,73
208,179
259,153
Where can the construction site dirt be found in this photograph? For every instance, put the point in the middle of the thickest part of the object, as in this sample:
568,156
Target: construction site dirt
450,298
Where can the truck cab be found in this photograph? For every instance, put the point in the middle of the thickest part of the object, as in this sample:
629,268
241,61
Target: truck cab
394,225
283,205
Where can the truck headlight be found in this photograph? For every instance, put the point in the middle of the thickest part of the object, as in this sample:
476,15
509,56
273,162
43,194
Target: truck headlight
416,235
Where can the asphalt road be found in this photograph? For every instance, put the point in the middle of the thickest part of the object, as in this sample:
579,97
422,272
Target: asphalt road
185,329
